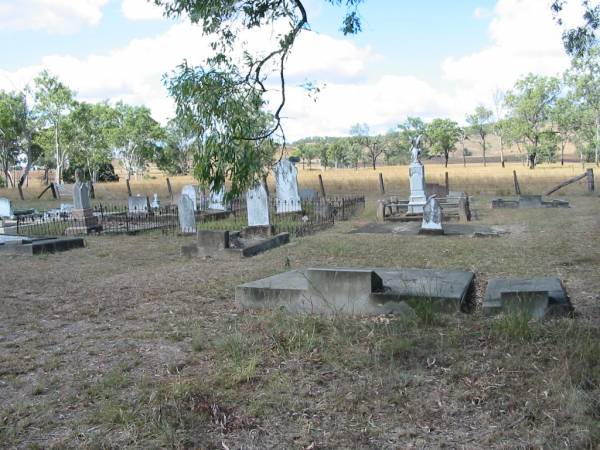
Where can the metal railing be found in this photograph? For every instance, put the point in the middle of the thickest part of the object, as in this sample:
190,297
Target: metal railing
297,218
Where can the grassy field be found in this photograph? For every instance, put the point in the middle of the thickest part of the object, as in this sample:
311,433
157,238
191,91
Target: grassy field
126,344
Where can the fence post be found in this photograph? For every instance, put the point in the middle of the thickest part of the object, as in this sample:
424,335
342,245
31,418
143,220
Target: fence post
590,180
447,183
54,191
170,189
344,208
128,188
516,183
381,185
322,186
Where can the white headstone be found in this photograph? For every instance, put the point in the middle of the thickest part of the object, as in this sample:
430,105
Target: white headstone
216,200
138,204
417,199
286,184
187,218
258,206
432,216
192,192
155,202
5,207
81,195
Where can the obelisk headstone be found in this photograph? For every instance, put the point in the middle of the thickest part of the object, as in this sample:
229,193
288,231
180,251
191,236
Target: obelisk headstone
417,199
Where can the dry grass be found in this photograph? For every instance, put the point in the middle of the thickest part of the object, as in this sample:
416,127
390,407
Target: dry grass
125,344
474,179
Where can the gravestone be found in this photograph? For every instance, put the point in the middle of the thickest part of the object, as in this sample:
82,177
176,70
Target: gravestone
307,194
286,184
432,218
81,194
187,218
416,172
192,192
155,202
359,291
217,200
139,204
257,203
82,212
5,207
535,297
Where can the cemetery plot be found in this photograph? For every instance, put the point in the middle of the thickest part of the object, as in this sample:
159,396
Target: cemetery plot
125,345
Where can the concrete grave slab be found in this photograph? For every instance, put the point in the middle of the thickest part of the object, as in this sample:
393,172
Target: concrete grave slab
537,297
26,246
528,202
413,228
370,291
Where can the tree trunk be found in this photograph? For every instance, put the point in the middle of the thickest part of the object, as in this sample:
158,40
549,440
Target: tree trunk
532,160
484,160
446,159
502,152
58,173
562,154
597,150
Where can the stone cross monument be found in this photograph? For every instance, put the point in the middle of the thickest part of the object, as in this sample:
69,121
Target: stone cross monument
417,198
85,221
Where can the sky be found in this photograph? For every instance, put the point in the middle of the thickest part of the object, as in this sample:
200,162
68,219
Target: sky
427,58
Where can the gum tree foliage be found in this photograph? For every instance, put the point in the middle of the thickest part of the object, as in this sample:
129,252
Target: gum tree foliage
18,133
88,133
223,101
11,131
530,105
583,79
53,103
442,134
580,40
480,124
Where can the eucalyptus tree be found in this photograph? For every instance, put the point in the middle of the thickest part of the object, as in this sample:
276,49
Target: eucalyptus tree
480,124
53,103
442,135
584,80
566,122
88,133
374,145
530,105
223,101
136,136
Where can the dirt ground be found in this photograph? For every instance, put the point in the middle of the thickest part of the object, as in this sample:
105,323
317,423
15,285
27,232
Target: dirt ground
126,344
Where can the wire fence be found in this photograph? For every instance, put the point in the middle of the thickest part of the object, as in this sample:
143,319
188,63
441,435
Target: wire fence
297,218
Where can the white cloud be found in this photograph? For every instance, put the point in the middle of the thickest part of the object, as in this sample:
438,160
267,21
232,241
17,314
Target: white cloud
524,39
54,16
141,10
